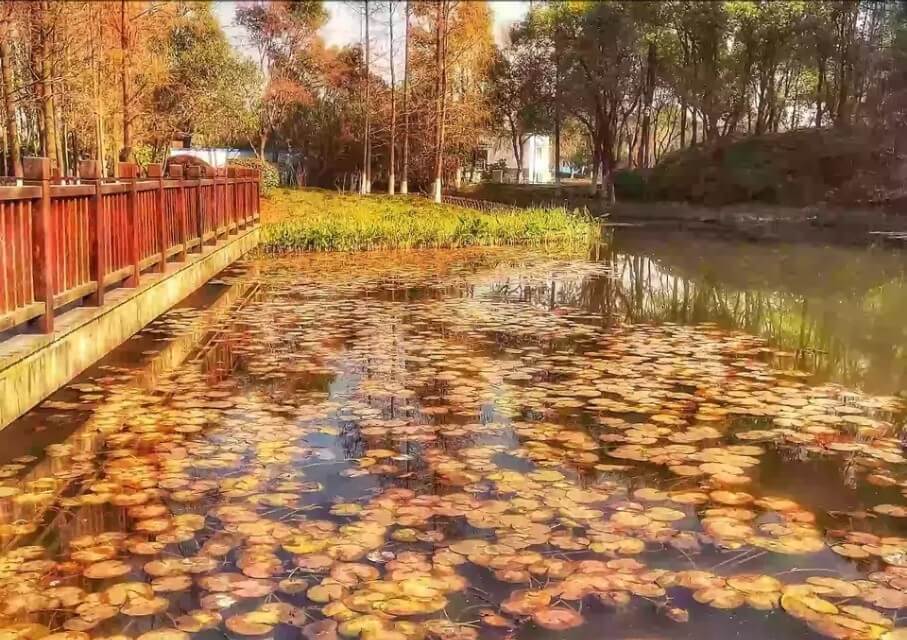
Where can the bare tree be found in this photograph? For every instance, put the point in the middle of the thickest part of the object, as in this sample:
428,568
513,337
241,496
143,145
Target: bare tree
9,108
126,150
393,141
557,117
443,10
404,183
365,185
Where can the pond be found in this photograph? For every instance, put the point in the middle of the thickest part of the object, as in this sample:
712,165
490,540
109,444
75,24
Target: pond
672,435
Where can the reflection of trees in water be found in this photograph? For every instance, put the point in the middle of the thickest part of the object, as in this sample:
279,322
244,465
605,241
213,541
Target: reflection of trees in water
842,320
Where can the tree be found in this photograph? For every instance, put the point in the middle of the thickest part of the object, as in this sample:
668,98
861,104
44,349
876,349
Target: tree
140,28
393,133
517,97
365,184
207,84
404,178
290,51
442,20
606,60
7,35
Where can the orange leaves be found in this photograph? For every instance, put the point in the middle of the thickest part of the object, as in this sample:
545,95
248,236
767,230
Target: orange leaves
366,455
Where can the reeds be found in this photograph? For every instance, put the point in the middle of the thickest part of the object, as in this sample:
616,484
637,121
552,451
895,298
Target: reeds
315,220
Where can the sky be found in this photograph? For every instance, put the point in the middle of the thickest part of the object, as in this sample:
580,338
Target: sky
344,24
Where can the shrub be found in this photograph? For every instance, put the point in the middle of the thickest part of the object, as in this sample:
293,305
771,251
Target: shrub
270,176
630,184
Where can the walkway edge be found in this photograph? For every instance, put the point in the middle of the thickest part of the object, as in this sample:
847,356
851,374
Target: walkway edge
42,364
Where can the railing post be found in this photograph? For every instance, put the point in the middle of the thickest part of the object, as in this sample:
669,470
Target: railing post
210,203
155,170
256,195
231,180
97,231
127,172
210,200
248,193
222,199
38,169
245,195
194,173
176,171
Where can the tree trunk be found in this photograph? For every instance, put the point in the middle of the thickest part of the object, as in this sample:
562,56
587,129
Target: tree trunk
557,120
9,107
76,153
7,163
609,162
605,192
63,146
820,89
404,179
518,156
393,141
845,65
623,136
761,107
633,150
695,127
98,108
365,185
440,90
683,123
648,94
57,96
45,91
126,150
659,149
596,165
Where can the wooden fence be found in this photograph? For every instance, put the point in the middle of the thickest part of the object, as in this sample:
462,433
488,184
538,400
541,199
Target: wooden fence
65,241
487,206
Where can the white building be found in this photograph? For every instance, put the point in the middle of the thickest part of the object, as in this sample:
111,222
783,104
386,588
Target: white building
538,159
214,156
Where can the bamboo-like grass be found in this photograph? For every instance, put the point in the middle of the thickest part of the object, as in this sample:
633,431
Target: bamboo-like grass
318,220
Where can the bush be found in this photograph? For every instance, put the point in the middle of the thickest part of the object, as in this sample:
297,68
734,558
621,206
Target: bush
270,176
630,184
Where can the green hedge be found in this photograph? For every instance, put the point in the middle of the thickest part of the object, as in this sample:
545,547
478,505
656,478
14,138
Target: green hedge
630,184
270,176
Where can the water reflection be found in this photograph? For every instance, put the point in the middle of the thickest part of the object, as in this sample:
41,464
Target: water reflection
494,443
837,309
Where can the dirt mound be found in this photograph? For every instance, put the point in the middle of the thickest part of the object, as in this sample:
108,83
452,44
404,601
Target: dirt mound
794,168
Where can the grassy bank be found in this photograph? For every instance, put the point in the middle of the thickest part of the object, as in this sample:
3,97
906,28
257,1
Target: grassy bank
316,220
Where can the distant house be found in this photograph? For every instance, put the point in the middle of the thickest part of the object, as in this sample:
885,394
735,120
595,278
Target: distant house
214,156
181,145
495,157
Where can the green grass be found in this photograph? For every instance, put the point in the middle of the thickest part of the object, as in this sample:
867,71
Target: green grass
316,220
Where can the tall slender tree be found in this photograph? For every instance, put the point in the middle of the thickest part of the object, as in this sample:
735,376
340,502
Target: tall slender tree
7,35
126,149
393,131
365,185
404,177
441,19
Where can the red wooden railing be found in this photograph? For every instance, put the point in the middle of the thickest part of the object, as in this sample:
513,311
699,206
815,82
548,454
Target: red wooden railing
65,241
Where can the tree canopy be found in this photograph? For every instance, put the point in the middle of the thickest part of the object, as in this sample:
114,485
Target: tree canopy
618,83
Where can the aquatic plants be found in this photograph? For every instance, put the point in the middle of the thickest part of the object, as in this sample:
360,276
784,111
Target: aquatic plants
343,457
317,220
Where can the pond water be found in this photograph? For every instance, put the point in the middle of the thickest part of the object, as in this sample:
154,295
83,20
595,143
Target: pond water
669,436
